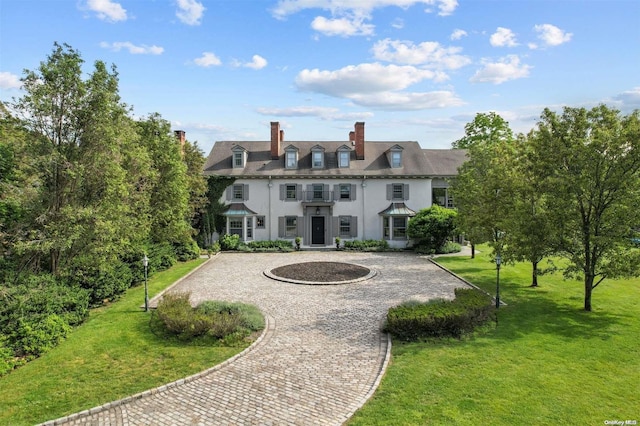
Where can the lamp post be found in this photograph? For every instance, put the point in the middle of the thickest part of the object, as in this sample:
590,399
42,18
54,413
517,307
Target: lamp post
498,261
145,262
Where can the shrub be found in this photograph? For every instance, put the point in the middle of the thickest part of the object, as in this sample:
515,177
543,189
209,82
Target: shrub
214,319
36,335
186,250
431,227
229,242
440,318
449,247
104,284
161,256
277,245
366,245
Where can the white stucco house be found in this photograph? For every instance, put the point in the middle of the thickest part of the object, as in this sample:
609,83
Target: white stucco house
354,189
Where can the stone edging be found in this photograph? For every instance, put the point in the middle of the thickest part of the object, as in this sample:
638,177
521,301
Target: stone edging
465,281
269,328
372,273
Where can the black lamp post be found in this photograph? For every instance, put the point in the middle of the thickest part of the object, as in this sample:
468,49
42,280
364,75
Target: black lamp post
145,262
498,261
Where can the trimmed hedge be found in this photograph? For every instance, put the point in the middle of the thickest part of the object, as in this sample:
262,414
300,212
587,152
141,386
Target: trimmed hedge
366,245
440,318
277,245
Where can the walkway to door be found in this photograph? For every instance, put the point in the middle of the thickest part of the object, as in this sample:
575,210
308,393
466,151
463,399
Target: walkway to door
320,359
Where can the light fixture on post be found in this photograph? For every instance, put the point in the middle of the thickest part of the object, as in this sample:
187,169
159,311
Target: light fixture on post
498,262
145,262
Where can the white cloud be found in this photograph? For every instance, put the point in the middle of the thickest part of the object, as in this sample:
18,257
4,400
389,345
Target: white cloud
107,10
363,78
408,101
457,34
324,113
142,49
508,68
630,98
378,86
503,37
190,12
552,35
289,7
398,24
207,59
345,27
430,54
351,17
9,81
257,63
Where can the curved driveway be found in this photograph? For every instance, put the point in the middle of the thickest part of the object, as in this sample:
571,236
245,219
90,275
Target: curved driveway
320,359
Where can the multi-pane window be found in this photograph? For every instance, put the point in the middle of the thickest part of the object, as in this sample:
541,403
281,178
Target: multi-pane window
397,191
318,191
249,228
238,192
237,159
290,192
291,158
259,221
235,226
386,229
399,227
345,191
343,158
317,157
396,159
345,226
290,226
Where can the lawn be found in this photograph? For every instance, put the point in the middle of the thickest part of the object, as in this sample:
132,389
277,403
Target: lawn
547,362
112,355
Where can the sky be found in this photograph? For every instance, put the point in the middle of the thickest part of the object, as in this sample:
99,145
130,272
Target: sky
412,70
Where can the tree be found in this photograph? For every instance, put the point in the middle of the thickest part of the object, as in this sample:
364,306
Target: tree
197,183
431,228
529,230
169,189
485,128
483,189
590,162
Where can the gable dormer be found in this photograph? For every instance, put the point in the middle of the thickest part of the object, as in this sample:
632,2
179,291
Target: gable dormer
291,157
238,157
344,156
317,157
394,156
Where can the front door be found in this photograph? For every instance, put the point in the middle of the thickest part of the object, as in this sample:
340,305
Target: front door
317,230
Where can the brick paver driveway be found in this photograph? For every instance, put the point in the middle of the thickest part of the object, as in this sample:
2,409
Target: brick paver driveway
320,359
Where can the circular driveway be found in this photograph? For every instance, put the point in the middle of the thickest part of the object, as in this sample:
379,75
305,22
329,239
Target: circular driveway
320,359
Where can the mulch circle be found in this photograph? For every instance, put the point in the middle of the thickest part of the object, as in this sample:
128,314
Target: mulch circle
320,272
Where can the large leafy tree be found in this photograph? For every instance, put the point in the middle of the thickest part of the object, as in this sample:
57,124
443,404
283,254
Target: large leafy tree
483,189
80,144
529,229
590,161
485,127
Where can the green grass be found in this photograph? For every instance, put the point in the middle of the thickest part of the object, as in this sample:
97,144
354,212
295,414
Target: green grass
112,355
547,362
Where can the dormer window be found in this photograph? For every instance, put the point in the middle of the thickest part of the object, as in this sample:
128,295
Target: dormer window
395,156
239,157
317,157
291,157
344,156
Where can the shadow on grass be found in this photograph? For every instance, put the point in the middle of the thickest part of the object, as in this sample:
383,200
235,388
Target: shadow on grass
533,311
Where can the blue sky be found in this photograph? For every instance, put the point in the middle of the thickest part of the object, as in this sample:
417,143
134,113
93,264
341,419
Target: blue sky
411,69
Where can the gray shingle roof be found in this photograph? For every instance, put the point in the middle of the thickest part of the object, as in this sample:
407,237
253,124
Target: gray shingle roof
416,161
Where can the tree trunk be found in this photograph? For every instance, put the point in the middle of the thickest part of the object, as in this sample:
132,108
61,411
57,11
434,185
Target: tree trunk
588,289
473,251
534,274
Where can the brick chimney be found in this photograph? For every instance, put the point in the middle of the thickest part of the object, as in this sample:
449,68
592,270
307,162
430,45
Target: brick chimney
352,137
181,137
359,139
276,138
